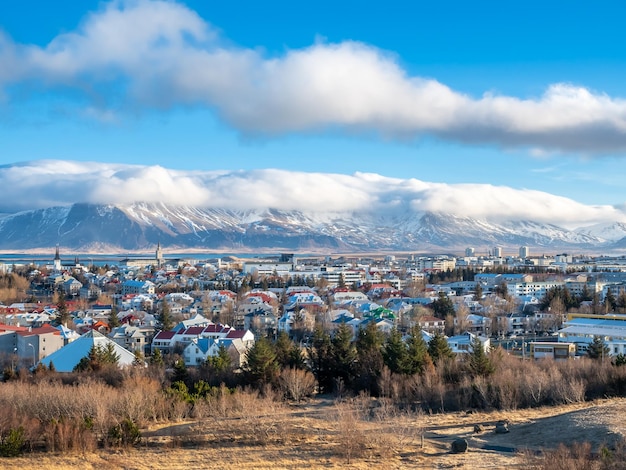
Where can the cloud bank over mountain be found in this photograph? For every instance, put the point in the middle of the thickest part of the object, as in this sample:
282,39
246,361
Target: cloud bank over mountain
133,55
46,183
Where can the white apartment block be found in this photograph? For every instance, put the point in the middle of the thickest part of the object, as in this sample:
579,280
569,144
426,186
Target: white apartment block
535,289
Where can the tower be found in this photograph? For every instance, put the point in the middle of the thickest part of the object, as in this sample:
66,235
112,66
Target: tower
159,255
524,252
57,260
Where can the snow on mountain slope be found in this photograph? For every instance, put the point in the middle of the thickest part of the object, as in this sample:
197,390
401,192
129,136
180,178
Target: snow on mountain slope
142,225
610,232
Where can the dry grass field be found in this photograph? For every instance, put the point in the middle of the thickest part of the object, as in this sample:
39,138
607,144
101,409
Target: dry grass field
360,434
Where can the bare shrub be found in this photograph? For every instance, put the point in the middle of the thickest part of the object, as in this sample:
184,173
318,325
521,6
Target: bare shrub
565,458
351,437
395,427
258,414
297,384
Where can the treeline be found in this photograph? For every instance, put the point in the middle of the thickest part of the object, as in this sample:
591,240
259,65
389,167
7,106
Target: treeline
560,299
415,373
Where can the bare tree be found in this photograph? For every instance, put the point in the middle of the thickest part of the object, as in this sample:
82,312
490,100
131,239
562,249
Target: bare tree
297,384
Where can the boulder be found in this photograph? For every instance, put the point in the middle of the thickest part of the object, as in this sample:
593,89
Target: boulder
459,446
502,427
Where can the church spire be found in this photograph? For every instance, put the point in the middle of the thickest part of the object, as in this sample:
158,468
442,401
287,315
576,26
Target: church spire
159,254
57,260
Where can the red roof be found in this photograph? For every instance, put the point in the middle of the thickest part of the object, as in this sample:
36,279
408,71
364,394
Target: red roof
266,298
10,310
45,329
216,328
12,328
232,334
165,335
194,330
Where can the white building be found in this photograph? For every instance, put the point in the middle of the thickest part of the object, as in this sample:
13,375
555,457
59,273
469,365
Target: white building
581,329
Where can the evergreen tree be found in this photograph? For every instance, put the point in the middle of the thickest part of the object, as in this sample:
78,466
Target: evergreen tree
97,358
621,302
443,306
438,348
478,292
586,294
114,320
63,314
395,352
220,363
619,360
610,302
344,355
320,356
157,358
167,323
139,359
417,358
283,347
298,326
181,374
369,365
297,359
598,349
262,365
479,361
501,290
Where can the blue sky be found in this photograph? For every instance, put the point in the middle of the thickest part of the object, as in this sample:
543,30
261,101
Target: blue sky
557,123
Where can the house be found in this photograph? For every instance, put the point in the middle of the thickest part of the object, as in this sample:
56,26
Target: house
476,323
552,350
38,343
133,338
68,357
163,341
196,320
90,292
581,329
200,349
462,344
260,321
67,334
166,341
431,324
306,320
137,287
72,287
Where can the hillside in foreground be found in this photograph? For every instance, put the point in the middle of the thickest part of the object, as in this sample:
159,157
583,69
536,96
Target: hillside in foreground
365,435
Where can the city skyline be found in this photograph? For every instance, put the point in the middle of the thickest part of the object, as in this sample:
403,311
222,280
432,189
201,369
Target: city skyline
505,103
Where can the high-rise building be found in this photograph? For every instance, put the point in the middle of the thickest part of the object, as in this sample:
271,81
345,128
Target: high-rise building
469,251
524,252
497,252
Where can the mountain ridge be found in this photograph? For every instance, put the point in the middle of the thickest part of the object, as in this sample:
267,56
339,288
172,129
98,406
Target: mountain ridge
140,226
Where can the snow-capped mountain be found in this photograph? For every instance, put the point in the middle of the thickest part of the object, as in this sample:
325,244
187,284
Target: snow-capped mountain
610,232
140,226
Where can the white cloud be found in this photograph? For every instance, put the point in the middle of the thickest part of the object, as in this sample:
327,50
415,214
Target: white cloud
162,54
55,182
